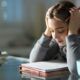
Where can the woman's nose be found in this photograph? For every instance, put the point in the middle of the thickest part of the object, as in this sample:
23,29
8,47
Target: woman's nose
56,36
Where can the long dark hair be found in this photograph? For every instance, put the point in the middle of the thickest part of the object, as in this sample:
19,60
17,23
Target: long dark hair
61,11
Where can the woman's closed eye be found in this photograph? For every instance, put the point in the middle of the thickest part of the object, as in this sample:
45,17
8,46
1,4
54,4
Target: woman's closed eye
60,30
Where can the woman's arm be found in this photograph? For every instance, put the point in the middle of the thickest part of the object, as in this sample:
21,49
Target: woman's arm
44,49
40,49
73,52
73,40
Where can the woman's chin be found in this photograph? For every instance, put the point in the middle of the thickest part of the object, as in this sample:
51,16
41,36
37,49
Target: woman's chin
61,44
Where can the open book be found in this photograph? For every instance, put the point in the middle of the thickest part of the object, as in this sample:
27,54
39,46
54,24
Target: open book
44,69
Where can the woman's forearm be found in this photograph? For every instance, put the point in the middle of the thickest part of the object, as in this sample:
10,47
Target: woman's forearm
40,49
73,52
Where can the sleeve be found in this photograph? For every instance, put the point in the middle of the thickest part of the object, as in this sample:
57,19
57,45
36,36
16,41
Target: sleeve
73,52
41,49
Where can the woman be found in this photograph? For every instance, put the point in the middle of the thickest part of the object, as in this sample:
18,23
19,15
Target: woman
60,40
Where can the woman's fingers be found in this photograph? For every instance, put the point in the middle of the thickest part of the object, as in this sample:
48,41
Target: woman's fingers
74,24
74,9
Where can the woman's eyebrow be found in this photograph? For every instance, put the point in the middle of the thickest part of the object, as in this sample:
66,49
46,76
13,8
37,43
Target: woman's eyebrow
57,28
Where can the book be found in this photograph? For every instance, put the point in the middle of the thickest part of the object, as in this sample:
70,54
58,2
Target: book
44,69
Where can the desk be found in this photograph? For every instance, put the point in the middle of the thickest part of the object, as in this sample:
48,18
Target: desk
65,77
10,71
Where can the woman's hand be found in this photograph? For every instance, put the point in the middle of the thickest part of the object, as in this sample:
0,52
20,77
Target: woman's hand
48,30
74,24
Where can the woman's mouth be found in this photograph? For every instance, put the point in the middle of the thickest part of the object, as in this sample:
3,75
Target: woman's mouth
61,43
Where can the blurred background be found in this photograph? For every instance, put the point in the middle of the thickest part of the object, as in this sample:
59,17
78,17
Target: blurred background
21,23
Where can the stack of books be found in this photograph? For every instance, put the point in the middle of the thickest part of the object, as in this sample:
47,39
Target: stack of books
44,69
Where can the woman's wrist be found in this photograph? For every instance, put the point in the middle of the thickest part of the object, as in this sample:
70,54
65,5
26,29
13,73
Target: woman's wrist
47,33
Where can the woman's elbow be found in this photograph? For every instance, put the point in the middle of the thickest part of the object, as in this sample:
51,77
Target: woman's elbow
73,70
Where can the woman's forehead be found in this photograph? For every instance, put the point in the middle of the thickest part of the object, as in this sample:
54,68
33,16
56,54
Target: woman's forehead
56,23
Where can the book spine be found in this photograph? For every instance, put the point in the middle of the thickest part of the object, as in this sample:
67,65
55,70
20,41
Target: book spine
29,71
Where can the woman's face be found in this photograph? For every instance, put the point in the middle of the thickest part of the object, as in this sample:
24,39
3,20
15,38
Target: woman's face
59,30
